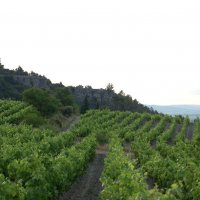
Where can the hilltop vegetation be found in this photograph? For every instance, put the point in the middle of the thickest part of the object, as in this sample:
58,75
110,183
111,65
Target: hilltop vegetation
14,82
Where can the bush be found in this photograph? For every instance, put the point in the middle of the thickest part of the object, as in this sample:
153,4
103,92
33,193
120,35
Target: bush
46,103
64,96
67,110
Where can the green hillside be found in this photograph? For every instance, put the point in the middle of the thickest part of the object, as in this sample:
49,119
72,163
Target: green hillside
149,156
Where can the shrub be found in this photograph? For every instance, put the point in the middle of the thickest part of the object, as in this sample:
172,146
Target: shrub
67,110
46,103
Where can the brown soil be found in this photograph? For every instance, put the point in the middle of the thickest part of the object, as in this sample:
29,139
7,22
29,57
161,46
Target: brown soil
190,131
88,186
102,149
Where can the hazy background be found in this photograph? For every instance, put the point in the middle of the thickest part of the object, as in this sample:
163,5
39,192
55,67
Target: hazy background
150,49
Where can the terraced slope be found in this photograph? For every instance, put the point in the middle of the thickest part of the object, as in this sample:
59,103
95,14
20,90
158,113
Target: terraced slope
149,157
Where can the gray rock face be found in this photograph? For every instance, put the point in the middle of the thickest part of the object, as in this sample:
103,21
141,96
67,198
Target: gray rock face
14,82
97,98
90,98
33,81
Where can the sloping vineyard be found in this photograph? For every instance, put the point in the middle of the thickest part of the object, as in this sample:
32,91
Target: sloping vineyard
164,161
38,164
13,111
149,156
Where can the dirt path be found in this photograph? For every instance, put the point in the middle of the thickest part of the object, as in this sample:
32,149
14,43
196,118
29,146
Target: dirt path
88,186
190,131
71,123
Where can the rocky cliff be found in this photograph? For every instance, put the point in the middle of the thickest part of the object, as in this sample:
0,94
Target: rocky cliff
33,81
14,82
89,98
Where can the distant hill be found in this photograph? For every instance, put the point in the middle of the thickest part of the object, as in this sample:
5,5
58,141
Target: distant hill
14,82
192,111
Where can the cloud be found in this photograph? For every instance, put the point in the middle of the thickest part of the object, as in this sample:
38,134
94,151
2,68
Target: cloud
195,92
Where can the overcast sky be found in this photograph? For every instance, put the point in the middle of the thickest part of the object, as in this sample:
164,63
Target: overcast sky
148,48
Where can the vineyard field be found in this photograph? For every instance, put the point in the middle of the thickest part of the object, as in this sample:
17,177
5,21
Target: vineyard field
148,156
38,163
162,160
13,111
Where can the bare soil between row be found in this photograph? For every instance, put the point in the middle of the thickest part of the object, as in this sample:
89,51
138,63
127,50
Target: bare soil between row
88,186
